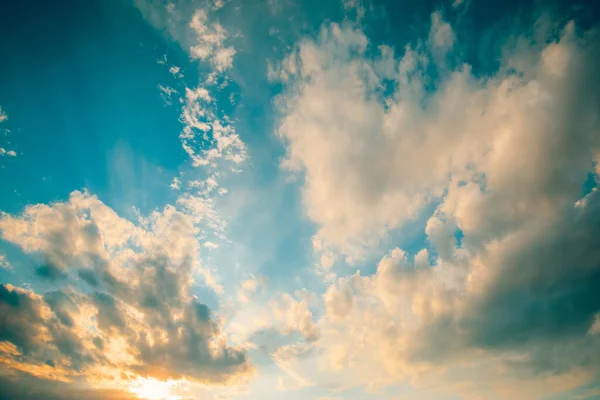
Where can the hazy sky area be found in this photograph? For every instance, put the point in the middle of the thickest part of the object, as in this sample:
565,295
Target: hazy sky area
299,200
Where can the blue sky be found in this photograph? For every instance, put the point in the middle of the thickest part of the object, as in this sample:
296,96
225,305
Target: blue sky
285,199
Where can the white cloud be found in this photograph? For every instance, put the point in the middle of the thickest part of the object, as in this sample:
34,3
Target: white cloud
200,208
354,5
4,152
175,184
201,126
210,245
219,4
370,165
193,25
174,70
166,93
295,316
441,34
210,42
504,156
250,287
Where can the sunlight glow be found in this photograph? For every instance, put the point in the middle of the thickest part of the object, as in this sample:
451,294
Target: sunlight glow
152,389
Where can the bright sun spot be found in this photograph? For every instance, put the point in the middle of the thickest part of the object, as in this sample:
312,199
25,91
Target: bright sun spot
152,389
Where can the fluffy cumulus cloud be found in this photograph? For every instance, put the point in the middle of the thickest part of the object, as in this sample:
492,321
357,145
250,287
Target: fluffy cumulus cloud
372,160
501,157
295,316
123,307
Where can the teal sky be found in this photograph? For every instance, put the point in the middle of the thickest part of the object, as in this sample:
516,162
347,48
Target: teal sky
287,199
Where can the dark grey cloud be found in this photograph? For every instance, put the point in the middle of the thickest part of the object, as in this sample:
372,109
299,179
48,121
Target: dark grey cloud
109,315
541,301
141,298
20,318
547,291
186,350
88,276
49,339
62,305
50,271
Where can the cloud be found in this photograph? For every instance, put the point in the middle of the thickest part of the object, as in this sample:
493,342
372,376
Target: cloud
206,138
208,135
127,309
295,316
4,262
503,157
250,287
196,29
441,35
174,70
211,38
370,163
4,152
175,184
166,93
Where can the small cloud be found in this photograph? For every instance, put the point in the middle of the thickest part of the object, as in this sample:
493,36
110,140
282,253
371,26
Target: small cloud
175,184
355,6
249,288
218,4
175,71
166,93
163,60
10,153
4,262
595,328
210,42
441,35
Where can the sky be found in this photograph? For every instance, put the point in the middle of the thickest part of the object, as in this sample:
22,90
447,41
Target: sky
292,199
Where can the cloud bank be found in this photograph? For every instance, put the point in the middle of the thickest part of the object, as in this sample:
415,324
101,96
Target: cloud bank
124,308
509,276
